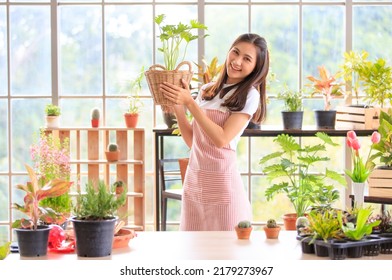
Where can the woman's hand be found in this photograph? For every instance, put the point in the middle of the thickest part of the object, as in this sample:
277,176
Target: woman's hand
177,95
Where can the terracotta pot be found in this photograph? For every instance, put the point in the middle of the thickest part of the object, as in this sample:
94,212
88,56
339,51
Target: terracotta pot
94,122
131,120
121,238
289,221
243,233
112,156
272,233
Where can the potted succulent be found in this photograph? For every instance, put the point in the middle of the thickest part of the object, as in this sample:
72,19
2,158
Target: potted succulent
95,218
119,187
326,86
175,39
290,171
95,116
272,229
32,234
112,152
243,229
52,113
292,114
131,115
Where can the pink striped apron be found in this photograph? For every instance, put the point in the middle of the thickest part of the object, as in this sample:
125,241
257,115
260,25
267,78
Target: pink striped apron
214,197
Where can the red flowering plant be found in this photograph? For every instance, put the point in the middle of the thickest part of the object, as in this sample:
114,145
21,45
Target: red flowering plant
361,169
52,161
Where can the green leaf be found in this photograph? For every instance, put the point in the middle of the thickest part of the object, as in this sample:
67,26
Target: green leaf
5,250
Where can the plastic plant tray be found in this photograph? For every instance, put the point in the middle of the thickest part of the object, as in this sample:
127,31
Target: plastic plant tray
340,249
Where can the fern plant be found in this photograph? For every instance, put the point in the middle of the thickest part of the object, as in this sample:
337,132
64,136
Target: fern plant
290,171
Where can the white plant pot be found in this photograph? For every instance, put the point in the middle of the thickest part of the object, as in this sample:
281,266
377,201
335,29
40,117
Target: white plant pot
52,121
358,192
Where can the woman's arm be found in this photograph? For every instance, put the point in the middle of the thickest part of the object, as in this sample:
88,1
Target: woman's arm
220,136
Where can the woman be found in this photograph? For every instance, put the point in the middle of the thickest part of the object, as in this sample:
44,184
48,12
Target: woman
214,197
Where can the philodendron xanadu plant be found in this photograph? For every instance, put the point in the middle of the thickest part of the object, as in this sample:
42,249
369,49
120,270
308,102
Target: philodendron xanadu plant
36,190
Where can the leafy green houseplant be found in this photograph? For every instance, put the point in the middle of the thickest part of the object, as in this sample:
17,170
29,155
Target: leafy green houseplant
377,82
362,226
31,232
292,114
324,225
175,39
290,170
95,218
52,114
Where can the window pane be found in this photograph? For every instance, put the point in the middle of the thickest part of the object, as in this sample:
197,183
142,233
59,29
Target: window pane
224,31
77,112
4,136
3,52
4,194
128,45
30,50
80,50
323,38
372,30
29,114
282,37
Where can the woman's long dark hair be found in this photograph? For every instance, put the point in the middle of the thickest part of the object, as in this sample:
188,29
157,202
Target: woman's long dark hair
257,79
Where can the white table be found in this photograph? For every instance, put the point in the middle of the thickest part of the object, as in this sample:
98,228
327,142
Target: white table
170,245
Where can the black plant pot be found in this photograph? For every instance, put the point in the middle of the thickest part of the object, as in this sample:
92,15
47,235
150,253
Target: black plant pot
292,120
325,119
33,243
94,238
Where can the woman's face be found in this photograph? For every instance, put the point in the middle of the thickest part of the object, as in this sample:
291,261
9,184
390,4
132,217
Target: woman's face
240,62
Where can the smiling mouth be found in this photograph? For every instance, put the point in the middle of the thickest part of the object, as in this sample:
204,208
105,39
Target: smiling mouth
234,68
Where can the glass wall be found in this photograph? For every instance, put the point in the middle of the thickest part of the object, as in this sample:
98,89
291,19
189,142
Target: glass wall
84,54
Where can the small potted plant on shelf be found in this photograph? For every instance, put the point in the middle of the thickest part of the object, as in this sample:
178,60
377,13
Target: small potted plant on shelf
95,116
135,104
95,218
112,152
52,113
291,171
119,187
328,88
175,39
243,229
272,229
292,114
32,233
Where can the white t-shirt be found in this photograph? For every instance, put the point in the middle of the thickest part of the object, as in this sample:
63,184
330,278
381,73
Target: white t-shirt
250,107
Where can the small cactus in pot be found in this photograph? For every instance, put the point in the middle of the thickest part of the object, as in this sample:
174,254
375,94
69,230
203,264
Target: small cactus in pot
112,152
244,229
95,116
272,229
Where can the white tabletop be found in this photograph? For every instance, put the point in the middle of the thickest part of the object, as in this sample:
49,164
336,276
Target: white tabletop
207,245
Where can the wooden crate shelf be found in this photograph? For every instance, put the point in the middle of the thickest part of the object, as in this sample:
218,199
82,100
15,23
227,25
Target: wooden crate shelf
380,183
87,149
357,117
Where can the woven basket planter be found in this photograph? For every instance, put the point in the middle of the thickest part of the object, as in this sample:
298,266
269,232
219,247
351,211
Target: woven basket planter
157,74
